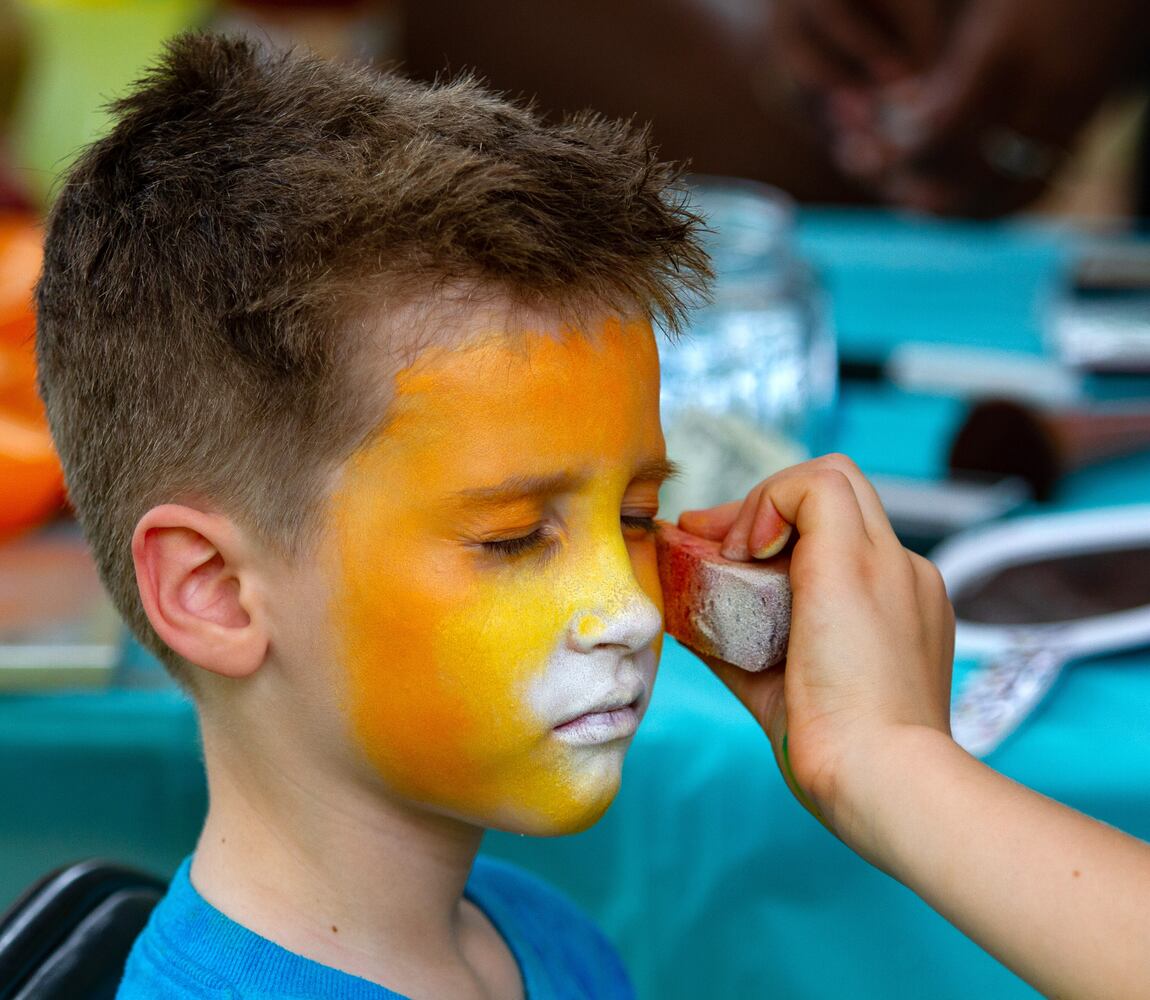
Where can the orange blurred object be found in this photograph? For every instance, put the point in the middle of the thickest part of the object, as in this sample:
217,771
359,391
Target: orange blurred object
21,251
31,481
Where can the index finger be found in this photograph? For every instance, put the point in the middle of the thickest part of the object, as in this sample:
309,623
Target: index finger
849,500
821,502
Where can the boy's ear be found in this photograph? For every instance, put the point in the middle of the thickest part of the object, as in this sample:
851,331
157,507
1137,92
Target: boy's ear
195,574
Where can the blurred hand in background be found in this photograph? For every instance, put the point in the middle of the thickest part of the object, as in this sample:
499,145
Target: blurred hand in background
958,106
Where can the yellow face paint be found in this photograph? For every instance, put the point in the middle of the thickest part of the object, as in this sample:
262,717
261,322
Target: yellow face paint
498,601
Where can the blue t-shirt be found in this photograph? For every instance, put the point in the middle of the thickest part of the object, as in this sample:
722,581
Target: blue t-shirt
191,951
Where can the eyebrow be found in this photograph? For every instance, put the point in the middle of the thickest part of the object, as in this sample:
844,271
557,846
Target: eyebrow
519,488
522,487
657,470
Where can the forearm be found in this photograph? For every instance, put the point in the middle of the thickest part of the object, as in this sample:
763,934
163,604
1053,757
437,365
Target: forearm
1061,899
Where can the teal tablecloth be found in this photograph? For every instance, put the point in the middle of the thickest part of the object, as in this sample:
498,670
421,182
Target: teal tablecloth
711,879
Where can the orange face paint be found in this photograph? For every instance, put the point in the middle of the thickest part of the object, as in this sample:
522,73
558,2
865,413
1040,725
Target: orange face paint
498,601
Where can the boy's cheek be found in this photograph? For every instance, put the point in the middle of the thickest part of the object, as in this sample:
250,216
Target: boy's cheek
509,624
645,564
452,647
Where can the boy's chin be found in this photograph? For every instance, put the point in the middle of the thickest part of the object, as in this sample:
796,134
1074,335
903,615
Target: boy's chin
579,817
574,812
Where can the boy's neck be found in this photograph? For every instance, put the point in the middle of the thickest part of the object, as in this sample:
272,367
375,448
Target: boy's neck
329,871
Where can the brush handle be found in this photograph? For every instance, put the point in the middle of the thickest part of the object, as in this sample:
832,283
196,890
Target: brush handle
1009,438
1087,436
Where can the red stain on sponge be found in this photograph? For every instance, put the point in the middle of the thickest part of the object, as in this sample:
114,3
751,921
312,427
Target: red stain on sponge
735,611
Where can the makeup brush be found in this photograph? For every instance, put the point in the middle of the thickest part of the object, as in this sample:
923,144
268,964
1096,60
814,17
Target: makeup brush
1040,445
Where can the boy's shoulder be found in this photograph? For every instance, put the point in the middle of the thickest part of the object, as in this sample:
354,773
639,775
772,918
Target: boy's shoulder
192,951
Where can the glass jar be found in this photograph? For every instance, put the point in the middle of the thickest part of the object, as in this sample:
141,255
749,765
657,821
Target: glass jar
751,386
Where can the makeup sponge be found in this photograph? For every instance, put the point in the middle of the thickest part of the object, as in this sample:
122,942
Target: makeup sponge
736,611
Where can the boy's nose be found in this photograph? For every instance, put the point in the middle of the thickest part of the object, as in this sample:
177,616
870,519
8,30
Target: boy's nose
632,626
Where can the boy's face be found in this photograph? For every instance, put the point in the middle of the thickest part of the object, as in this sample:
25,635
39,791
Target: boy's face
497,602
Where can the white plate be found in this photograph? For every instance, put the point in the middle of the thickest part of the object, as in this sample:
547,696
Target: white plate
1023,660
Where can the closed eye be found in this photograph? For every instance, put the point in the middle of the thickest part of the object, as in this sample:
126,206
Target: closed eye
508,548
636,523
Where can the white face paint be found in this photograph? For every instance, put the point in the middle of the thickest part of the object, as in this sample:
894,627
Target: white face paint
597,684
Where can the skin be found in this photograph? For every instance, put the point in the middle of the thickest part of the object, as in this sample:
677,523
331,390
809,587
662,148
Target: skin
529,595
370,707
863,708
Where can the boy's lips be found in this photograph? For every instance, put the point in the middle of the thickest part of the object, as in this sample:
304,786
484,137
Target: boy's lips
611,719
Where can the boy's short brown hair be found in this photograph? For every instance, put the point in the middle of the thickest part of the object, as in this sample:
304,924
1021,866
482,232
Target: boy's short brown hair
206,261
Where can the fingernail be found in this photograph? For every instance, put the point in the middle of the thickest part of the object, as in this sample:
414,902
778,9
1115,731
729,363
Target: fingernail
776,545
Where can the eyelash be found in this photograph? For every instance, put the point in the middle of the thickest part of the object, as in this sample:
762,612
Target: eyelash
542,537
511,547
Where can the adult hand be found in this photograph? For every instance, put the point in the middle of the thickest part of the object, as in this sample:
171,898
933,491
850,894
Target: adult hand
1017,80
988,96
872,633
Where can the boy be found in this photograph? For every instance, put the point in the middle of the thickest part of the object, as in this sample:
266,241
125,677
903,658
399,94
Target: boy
356,389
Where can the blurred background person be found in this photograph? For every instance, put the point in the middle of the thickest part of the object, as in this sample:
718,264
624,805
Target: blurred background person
961,106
